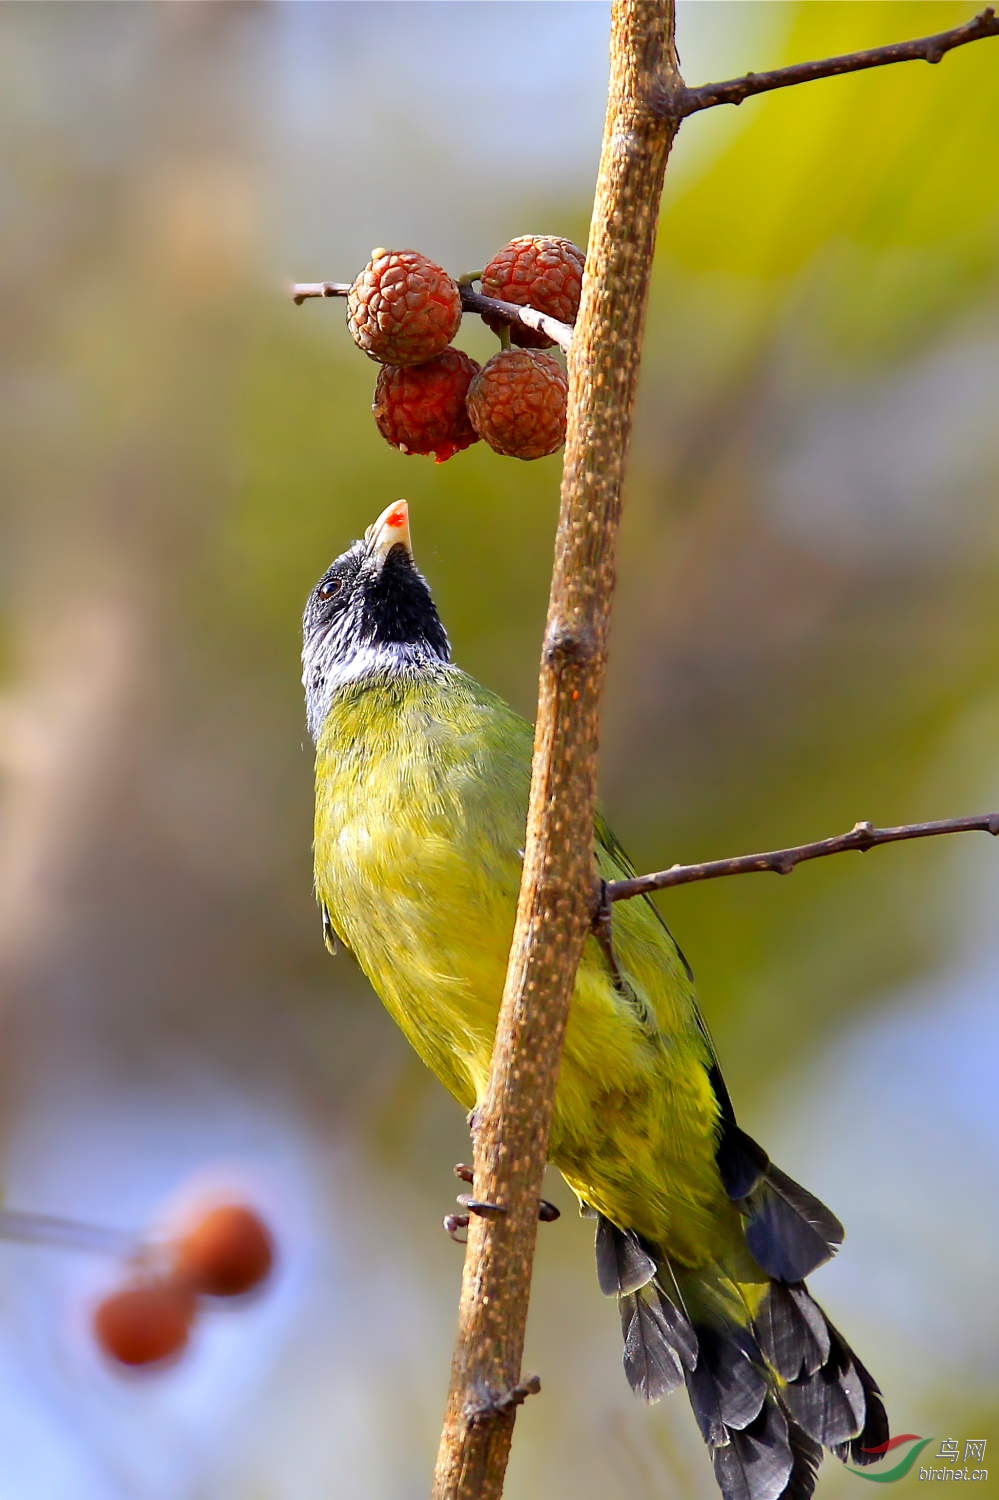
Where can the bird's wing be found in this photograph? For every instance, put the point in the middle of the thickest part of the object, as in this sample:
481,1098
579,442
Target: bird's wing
616,864
623,869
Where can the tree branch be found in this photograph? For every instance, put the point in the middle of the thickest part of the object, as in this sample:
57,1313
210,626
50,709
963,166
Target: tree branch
471,302
512,312
301,291
861,837
554,911
679,103
558,890
27,1228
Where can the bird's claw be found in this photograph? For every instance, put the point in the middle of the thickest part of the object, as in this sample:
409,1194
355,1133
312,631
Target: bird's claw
477,1206
454,1223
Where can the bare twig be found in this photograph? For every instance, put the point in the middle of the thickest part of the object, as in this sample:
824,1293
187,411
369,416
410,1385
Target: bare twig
301,291
25,1227
511,312
861,837
472,302
490,1406
554,912
679,103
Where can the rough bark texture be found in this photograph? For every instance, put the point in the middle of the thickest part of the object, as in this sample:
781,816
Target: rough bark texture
557,894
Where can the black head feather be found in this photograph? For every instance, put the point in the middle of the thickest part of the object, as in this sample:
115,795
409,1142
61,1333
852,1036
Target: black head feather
370,615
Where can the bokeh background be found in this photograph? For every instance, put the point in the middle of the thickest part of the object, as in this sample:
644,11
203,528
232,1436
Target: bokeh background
806,634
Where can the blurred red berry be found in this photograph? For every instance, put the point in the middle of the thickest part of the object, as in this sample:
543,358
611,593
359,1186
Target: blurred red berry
403,309
517,403
537,270
421,409
226,1252
145,1321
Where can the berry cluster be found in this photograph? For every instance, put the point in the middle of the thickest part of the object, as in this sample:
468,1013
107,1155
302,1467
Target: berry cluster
404,310
224,1252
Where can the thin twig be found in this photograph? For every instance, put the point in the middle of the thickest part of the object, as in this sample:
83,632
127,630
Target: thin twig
862,836
28,1228
301,291
513,1121
679,103
471,302
511,312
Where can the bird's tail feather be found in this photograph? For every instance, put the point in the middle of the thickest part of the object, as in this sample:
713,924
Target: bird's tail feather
768,1396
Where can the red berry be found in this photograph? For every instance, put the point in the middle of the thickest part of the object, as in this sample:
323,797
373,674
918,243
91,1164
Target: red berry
517,403
228,1251
421,409
537,270
403,309
145,1321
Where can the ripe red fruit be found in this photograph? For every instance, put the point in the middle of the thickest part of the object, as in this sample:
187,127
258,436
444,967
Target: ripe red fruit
517,403
227,1251
145,1321
403,308
422,409
537,270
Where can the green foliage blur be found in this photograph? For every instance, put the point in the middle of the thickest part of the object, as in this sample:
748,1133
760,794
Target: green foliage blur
805,635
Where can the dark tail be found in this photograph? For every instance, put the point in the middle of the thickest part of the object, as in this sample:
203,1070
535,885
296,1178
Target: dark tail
768,1395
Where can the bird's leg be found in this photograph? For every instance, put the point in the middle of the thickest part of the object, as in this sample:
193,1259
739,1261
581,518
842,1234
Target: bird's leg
454,1223
602,929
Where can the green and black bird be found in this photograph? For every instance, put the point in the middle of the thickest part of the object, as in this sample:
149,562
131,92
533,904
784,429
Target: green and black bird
422,780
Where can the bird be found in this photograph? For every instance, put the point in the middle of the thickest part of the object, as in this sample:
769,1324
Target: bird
422,777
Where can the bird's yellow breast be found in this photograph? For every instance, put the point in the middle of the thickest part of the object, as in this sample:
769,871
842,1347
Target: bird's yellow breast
415,869
422,786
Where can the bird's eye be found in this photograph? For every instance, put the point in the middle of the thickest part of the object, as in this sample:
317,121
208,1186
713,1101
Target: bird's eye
331,588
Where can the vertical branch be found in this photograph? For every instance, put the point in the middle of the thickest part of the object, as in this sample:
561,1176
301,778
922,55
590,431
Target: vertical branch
557,892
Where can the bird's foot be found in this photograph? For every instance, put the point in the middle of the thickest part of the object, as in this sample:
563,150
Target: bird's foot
455,1223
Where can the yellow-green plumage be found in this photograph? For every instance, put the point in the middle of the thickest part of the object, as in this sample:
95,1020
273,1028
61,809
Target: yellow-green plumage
421,805
422,783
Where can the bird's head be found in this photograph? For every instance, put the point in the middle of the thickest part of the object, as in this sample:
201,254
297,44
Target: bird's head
370,615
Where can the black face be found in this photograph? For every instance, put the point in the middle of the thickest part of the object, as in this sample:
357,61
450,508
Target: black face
369,614
366,601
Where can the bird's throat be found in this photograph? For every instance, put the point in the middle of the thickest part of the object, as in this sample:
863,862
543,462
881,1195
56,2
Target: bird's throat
324,675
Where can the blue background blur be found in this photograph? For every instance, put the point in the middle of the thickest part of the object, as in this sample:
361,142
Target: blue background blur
806,634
